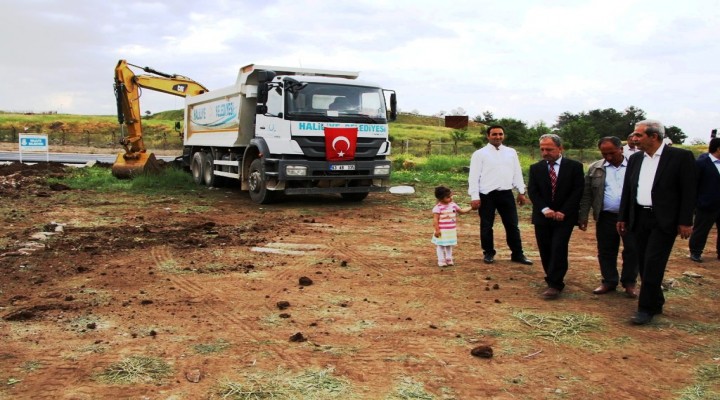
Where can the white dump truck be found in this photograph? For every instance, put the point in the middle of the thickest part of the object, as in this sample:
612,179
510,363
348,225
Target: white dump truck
282,130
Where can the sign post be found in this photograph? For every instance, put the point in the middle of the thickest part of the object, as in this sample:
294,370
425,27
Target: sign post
34,143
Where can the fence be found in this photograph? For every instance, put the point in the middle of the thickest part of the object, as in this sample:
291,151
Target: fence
159,139
425,148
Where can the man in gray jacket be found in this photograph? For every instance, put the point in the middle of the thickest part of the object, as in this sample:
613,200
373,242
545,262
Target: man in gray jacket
603,190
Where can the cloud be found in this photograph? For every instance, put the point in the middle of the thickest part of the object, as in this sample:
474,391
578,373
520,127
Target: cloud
530,60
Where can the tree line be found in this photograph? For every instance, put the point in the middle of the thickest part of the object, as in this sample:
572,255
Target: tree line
581,130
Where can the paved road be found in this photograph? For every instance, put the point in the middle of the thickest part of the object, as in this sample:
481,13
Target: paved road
66,158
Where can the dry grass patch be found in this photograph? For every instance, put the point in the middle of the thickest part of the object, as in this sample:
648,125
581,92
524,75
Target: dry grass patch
565,328
136,369
280,384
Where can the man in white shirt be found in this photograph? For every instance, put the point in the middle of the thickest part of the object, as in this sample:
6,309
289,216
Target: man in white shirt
630,148
494,172
657,204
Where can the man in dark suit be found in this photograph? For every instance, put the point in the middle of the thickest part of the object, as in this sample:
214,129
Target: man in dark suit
707,212
555,188
657,205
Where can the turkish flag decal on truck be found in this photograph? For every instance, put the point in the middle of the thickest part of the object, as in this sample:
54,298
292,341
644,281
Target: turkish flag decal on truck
340,143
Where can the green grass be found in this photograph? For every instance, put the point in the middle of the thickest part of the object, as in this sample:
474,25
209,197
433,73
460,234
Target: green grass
31,366
209,348
409,389
698,392
169,180
706,375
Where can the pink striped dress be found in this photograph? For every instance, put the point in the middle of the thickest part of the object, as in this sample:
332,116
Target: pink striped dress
448,224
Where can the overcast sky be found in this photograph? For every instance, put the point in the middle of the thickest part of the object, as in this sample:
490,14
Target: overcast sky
530,60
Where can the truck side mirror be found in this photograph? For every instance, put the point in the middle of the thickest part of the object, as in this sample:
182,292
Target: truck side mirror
393,107
178,126
261,109
262,94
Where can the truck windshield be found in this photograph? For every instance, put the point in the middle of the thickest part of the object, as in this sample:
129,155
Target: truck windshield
323,102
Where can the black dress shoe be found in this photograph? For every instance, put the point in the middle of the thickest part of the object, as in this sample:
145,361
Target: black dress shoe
641,318
489,259
695,257
521,260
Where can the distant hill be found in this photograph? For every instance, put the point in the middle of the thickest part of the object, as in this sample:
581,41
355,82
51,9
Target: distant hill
170,115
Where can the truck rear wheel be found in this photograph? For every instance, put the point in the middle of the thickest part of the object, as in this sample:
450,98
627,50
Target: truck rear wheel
209,177
354,196
256,184
196,167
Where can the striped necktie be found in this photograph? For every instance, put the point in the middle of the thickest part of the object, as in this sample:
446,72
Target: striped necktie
553,177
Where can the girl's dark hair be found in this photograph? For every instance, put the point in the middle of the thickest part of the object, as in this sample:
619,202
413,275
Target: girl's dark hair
441,192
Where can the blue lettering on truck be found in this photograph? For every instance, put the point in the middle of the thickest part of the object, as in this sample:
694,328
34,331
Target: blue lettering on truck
318,126
198,113
224,109
219,115
371,128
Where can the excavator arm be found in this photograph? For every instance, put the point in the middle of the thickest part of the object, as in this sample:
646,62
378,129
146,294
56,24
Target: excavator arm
136,160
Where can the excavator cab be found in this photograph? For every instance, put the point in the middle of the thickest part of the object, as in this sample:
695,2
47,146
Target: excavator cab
136,160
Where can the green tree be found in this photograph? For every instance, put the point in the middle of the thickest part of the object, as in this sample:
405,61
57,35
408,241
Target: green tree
579,135
458,135
566,118
633,116
486,118
516,131
675,134
537,130
533,135
605,122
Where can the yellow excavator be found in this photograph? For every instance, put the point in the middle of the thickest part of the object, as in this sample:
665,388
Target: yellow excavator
136,160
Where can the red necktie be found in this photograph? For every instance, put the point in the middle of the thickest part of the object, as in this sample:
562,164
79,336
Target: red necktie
553,178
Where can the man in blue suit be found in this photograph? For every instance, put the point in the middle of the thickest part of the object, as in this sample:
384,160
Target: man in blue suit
658,199
707,210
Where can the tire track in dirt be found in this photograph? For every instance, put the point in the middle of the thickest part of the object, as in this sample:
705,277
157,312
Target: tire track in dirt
204,297
57,371
380,358
374,352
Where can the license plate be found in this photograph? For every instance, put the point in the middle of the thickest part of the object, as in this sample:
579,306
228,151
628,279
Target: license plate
342,167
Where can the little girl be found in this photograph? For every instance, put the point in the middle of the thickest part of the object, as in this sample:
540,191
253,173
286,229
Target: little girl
445,216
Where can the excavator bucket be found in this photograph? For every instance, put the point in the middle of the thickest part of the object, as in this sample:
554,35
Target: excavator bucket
127,168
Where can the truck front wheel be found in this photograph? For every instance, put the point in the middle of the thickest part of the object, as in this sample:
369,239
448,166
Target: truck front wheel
197,167
256,184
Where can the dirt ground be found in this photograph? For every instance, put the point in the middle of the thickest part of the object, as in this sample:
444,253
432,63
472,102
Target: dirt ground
223,293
